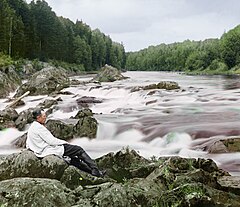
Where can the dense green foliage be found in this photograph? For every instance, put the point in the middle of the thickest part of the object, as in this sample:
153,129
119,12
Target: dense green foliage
34,31
212,56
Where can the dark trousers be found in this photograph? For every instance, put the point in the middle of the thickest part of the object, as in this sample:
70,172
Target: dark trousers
79,158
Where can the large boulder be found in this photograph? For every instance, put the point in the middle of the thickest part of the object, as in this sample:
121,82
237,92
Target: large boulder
125,164
82,125
86,127
61,129
9,81
44,82
7,118
224,145
219,144
108,74
26,164
34,192
25,117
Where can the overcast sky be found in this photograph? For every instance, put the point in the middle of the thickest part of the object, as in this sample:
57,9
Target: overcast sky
141,23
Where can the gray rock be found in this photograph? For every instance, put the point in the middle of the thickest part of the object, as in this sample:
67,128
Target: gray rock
167,181
7,118
125,164
86,127
34,192
86,100
60,129
9,81
47,103
108,74
82,125
20,142
44,82
26,164
25,117
167,85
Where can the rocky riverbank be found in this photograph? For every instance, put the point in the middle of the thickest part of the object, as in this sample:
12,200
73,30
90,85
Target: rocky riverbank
131,180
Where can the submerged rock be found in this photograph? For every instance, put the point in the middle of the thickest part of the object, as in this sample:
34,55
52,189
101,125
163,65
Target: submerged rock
108,74
86,100
168,85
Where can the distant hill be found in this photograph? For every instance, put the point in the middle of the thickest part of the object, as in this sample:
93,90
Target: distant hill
211,56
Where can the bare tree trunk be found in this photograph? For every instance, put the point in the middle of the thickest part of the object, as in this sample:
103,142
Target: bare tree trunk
10,38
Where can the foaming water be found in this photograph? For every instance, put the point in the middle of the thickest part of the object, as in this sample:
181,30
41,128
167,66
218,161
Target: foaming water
153,122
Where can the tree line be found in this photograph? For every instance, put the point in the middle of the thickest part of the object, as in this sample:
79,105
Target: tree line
33,31
211,56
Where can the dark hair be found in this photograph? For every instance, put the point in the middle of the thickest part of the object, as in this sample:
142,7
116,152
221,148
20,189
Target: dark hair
36,113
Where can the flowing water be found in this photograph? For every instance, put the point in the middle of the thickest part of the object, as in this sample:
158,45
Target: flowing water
153,122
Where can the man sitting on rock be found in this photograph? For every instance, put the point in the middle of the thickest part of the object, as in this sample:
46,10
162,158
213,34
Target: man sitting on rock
41,141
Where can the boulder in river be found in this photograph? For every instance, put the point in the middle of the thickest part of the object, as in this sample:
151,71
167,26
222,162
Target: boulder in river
45,81
168,85
7,118
86,100
108,74
25,117
9,80
82,125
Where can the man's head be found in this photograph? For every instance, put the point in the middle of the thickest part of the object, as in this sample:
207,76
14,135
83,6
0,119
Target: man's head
39,115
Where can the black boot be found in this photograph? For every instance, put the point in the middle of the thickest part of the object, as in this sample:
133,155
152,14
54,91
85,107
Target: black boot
98,173
92,164
80,165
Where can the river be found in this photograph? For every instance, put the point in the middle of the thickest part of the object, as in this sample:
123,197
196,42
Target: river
156,122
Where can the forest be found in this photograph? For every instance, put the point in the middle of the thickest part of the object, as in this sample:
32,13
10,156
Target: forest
211,56
33,31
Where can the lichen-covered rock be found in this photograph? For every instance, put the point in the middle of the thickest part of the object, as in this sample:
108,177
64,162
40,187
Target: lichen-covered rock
9,81
60,129
86,127
26,164
7,118
108,74
82,125
25,117
131,180
34,192
125,164
44,82
74,178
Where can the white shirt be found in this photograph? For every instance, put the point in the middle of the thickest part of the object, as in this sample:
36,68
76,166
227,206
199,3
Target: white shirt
41,141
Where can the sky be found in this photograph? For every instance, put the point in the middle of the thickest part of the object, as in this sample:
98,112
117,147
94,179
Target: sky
142,23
